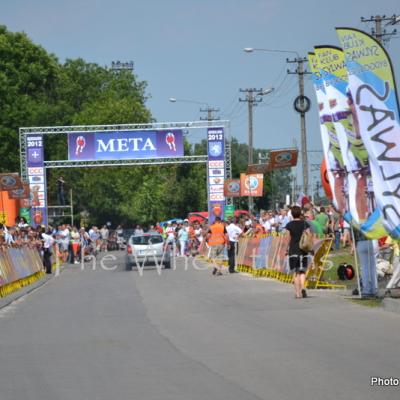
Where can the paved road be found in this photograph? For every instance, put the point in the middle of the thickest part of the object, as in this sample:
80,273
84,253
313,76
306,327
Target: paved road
116,335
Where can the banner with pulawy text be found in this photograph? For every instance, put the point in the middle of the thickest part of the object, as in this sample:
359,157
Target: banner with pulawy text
355,156
373,90
330,142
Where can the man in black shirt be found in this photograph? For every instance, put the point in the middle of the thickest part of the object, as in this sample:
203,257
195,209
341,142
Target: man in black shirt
298,259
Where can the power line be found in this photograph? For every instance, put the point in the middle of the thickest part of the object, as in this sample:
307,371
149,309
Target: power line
231,105
210,114
381,35
234,111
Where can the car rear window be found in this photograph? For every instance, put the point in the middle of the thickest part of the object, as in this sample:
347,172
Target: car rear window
145,239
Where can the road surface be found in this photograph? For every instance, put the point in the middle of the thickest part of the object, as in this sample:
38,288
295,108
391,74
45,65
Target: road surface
107,334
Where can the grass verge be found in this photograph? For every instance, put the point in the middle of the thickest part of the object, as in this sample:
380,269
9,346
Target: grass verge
368,302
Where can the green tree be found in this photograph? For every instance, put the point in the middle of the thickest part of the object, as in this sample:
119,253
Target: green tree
28,77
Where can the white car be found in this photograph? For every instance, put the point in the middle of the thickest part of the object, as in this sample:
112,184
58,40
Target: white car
145,249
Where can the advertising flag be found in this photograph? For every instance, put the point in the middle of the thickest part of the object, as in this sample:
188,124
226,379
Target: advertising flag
10,181
23,193
330,142
377,119
258,168
284,158
251,185
232,188
354,154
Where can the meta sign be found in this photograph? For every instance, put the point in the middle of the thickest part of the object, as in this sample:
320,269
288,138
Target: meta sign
216,172
125,145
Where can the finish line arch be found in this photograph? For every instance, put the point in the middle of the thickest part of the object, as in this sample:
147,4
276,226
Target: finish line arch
135,144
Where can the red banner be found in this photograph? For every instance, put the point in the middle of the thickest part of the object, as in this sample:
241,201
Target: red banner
10,181
283,158
22,193
258,168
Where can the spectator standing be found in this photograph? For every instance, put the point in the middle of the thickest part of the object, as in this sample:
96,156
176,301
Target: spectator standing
48,242
138,230
335,226
322,219
183,237
75,244
105,233
63,238
395,280
234,232
346,236
366,255
283,219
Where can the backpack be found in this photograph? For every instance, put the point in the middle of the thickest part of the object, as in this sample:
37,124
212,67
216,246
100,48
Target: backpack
306,240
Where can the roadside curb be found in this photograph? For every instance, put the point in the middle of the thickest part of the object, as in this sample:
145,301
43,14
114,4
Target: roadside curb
6,301
391,304
12,297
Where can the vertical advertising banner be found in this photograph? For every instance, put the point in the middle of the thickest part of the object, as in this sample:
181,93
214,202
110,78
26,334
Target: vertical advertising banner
377,120
330,141
215,172
355,156
37,179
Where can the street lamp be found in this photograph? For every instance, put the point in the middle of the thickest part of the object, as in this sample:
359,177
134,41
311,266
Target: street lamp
266,91
174,100
251,50
209,110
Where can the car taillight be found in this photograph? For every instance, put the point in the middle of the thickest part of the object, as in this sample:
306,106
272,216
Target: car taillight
129,249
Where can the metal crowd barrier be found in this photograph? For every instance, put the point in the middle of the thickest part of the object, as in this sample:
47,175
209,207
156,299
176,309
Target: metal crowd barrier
265,256
19,267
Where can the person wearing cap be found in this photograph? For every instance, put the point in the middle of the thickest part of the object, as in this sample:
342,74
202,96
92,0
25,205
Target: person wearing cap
217,239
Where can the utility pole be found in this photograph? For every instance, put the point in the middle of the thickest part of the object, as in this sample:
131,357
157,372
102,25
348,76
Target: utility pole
251,100
210,116
302,105
380,35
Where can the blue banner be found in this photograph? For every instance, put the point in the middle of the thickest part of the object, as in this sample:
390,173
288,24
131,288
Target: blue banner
37,179
215,172
125,145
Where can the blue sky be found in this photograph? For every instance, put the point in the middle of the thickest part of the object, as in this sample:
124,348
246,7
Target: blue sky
194,50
